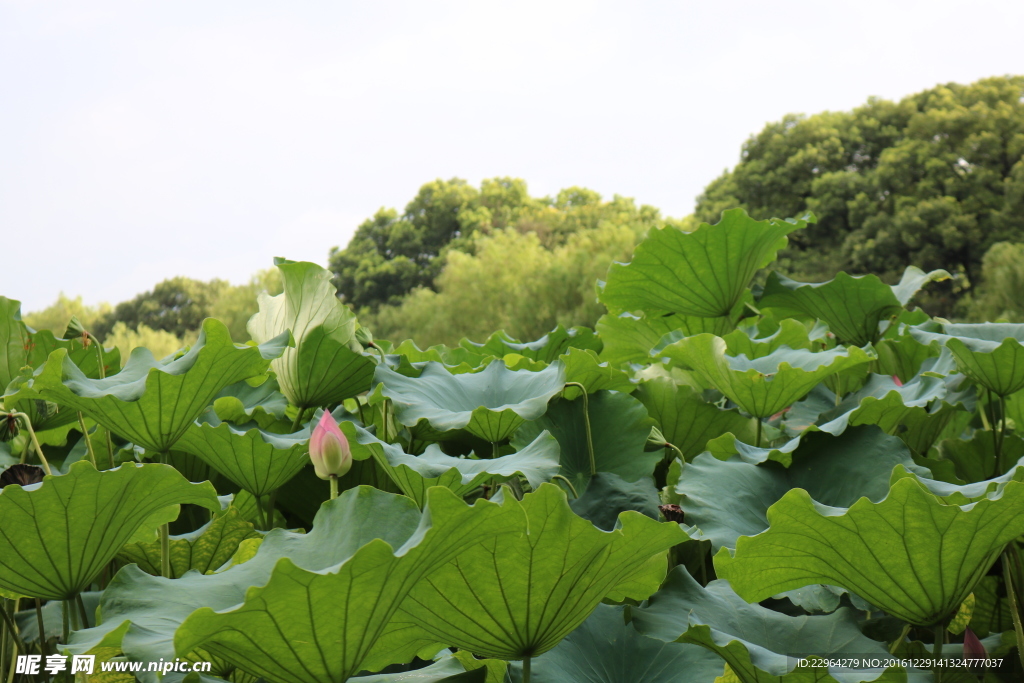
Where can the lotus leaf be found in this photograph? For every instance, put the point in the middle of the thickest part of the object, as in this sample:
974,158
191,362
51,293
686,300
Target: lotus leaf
58,535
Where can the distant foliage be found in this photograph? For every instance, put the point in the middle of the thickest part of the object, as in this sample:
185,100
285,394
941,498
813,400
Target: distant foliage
933,180
56,316
999,296
392,255
160,342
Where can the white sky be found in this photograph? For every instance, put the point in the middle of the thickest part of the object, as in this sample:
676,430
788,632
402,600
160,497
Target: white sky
143,140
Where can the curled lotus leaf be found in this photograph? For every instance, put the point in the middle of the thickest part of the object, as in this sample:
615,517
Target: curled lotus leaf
152,403
991,354
490,404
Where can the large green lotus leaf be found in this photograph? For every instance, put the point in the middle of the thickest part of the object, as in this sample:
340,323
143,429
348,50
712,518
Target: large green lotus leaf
701,273
58,535
203,550
152,403
518,595
628,338
547,348
619,426
605,650
686,420
974,459
447,669
727,499
902,356
761,386
853,306
307,607
989,353
327,363
759,645
415,474
584,366
912,554
14,341
255,460
490,404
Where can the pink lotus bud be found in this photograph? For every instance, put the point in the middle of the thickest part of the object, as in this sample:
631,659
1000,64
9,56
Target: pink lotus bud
329,450
973,646
896,378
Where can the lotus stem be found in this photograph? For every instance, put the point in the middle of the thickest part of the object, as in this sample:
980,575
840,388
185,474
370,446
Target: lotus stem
586,422
1002,433
88,441
526,670
896,643
1011,593
11,627
940,637
271,500
103,375
676,449
81,609
334,486
569,484
516,487
41,627
65,624
261,519
165,550
35,441
757,438
298,419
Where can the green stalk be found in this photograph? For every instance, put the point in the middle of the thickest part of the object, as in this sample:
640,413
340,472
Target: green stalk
66,625
298,419
526,670
567,483
165,550
271,500
586,422
41,627
334,486
1002,432
1011,593
757,439
494,449
35,441
103,375
81,610
260,517
88,441
72,609
940,637
995,436
896,643
517,489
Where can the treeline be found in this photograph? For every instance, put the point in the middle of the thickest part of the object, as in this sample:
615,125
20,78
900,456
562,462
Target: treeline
935,180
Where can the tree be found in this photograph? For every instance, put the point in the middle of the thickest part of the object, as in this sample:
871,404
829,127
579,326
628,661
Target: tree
177,305
391,255
57,315
933,180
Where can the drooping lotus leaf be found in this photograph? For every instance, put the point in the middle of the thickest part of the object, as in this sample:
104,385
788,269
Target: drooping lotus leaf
603,649
204,550
989,353
760,645
255,460
911,554
584,366
307,607
415,474
518,595
628,338
547,348
327,363
152,403
59,534
761,386
701,273
490,404
447,669
686,420
853,306
619,426
727,499
902,356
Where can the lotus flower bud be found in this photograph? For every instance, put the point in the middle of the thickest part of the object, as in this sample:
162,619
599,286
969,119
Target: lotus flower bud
329,450
972,646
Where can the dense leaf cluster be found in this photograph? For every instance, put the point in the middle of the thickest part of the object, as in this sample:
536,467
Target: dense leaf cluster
713,481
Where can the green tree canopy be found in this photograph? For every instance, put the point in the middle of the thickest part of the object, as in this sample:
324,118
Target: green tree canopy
391,255
933,180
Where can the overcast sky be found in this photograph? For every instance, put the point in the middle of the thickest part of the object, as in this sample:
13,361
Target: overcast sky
143,140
